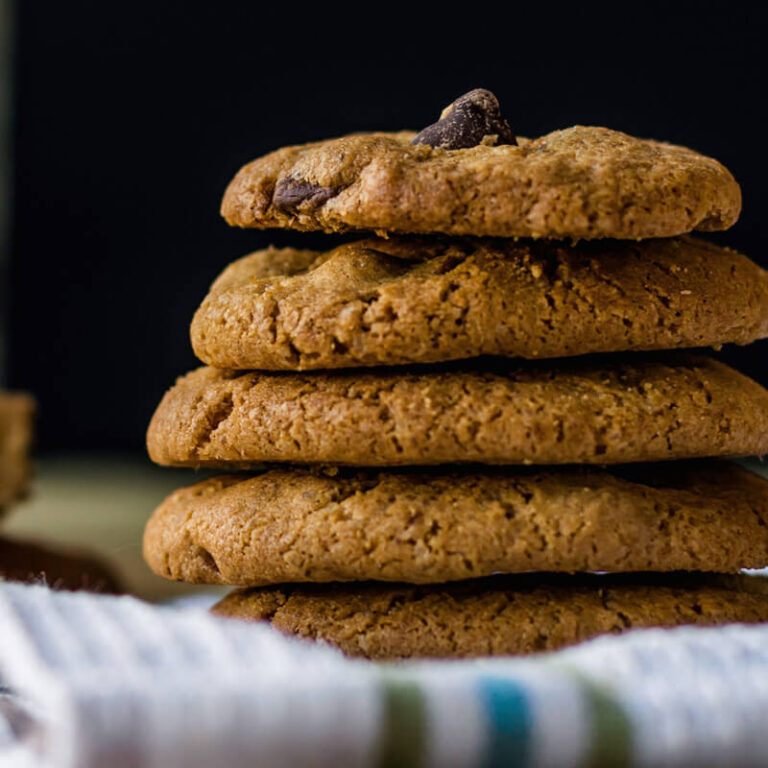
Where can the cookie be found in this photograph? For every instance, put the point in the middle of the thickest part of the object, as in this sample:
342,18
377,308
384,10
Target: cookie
492,617
31,562
589,411
477,178
295,526
16,428
388,302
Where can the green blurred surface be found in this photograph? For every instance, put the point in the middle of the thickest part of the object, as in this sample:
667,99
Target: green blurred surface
756,465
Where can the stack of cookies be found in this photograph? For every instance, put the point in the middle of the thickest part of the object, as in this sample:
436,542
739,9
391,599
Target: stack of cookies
488,440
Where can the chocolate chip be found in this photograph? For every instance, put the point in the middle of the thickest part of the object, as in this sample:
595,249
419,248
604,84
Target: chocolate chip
292,194
465,123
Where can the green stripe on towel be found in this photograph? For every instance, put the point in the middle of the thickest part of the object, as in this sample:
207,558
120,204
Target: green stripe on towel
610,737
402,737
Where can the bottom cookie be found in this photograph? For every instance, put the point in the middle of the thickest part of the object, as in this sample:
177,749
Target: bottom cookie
496,616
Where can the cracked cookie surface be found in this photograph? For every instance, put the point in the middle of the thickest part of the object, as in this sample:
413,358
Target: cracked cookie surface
583,182
494,616
582,411
419,300
290,525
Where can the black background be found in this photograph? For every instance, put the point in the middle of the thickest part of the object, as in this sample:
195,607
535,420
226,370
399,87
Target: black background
131,118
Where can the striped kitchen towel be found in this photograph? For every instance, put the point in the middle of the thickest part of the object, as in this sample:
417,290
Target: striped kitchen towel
111,681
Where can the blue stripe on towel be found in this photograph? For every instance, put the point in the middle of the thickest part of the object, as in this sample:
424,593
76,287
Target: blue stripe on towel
509,723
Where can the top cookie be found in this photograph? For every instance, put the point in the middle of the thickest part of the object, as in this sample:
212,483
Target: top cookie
583,182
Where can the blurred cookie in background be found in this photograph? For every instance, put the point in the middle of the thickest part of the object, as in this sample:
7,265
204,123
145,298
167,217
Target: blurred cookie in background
25,560
59,569
17,412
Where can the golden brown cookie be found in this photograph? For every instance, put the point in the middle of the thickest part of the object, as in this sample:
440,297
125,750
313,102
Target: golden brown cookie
31,562
583,182
582,411
411,300
16,428
295,526
494,616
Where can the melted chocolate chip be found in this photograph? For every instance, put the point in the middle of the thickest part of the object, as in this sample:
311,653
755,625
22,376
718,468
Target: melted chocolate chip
466,122
292,194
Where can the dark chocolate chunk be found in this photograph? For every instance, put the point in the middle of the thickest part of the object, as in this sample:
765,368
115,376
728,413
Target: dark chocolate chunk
466,122
292,194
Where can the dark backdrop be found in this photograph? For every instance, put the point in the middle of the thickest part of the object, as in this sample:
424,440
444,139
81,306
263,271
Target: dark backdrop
132,116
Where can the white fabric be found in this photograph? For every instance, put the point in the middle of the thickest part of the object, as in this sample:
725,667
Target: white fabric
103,681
